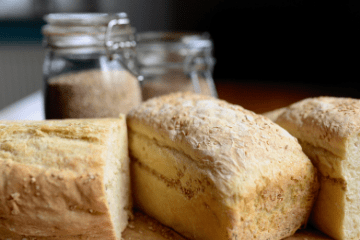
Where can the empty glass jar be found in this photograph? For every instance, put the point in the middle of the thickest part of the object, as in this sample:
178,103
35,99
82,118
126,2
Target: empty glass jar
175,61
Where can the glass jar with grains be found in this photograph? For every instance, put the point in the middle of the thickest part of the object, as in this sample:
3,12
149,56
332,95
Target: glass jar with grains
90,69
175,61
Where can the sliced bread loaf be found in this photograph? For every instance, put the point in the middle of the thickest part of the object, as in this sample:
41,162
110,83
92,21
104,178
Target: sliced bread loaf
64,179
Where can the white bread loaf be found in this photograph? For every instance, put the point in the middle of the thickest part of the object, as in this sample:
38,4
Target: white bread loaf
328,129
64,179
213,170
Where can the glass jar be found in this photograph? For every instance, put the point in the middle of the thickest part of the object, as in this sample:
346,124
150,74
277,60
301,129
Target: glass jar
175,61
89,69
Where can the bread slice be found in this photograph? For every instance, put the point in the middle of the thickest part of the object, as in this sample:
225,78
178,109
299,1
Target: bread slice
213,170
328,129
64,179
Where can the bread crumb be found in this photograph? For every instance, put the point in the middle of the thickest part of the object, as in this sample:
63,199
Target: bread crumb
15,210
15,195
32,180
130,214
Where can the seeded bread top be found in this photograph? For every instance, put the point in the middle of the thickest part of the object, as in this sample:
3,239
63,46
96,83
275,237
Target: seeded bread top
326,122
240,150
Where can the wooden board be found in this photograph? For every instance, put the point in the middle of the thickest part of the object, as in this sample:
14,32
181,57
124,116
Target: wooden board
143,227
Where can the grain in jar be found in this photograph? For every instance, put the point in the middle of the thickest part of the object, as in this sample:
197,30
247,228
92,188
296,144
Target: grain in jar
92,93
90,69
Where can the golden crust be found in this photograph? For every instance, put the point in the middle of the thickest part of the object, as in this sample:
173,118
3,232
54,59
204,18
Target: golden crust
328,129
325,122
227,139
52,179
254,169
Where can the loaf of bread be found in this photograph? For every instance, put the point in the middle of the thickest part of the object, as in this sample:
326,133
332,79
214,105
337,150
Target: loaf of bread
328,128
213,170
64,179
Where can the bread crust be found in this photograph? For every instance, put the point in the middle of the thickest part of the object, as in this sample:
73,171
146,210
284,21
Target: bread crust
326,122
52,179
328,129
250,162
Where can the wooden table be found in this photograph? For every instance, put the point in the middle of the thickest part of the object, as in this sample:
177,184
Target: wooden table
142,227
264,95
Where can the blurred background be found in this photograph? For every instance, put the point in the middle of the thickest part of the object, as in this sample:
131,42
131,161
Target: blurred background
269,52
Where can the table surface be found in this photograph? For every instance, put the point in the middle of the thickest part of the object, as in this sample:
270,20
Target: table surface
28,108
262,96
255,95
143,227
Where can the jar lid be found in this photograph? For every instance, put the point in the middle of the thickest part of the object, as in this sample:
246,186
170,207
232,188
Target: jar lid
84,31
82,19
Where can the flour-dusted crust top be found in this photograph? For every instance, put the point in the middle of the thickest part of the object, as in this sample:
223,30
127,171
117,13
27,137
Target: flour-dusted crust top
57,142
51,178
240,150
326,122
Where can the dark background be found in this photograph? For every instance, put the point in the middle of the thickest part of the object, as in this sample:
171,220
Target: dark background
309,41
299,41
293,43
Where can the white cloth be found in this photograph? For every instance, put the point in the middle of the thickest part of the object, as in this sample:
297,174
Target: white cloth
28,108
